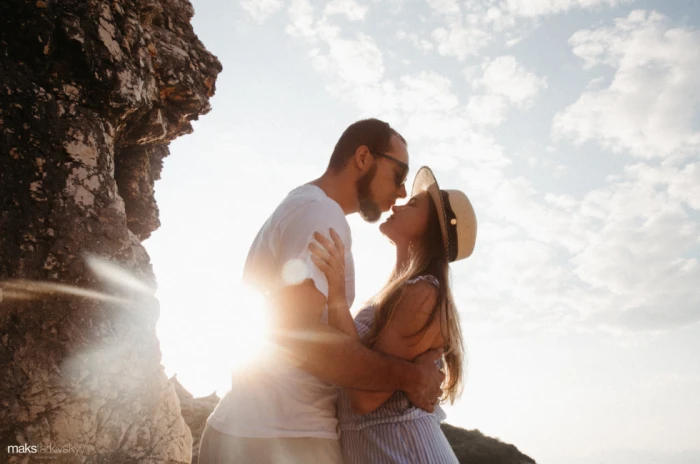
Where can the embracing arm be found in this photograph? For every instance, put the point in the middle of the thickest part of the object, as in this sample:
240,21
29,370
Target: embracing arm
330,258
336,358
406,336
399,339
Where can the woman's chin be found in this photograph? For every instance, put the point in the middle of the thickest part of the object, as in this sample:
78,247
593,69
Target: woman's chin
387,230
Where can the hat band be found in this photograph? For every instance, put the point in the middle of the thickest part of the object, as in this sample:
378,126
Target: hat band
451,225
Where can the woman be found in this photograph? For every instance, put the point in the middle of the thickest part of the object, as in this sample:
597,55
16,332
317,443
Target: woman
413,313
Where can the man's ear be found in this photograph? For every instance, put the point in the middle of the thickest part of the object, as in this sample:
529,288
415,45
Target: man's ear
363,158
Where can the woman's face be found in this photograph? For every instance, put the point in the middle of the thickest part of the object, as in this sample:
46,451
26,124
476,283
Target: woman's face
408,223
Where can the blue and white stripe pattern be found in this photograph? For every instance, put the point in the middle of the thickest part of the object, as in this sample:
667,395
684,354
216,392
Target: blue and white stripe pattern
397,432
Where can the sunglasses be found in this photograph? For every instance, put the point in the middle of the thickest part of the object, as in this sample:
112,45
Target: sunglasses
400,174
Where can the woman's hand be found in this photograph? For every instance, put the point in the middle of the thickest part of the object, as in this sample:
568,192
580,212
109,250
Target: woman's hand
330,258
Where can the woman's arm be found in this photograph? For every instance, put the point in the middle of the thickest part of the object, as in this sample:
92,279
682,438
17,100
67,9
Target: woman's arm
330,258
339,317
398,339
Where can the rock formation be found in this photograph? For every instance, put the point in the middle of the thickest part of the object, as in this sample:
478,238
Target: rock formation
195,411
91,93
473,447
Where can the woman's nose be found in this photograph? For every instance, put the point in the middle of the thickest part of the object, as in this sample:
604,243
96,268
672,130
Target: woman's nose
394,209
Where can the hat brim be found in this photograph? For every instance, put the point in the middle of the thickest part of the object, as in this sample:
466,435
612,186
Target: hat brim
425,180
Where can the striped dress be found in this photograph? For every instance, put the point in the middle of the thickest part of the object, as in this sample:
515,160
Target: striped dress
397,432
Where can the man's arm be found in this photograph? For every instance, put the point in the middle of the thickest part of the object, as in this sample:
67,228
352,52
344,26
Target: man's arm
403,338
336,358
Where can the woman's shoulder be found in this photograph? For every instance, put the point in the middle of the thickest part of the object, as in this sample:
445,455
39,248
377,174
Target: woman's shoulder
415,318
421,290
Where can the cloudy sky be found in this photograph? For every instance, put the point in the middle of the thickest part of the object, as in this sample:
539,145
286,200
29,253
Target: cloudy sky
573,126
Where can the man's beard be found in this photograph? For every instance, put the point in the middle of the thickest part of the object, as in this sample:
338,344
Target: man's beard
369,209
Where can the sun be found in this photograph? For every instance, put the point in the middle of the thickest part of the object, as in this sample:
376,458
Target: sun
215,341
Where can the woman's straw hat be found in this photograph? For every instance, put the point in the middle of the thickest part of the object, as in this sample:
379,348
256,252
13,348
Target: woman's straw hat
457,218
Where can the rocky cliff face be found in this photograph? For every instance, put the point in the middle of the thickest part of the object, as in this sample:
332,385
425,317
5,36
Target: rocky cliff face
195,412
473,447
91,93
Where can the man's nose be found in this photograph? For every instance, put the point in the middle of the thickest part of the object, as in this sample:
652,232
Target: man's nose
402,191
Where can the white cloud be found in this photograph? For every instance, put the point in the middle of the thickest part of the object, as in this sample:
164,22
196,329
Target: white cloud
623,257
498,18
518,279
534,8
683,184
351,61
515,15
348,8
487,110
259,10
465,148
424,104
505,76
641,254
635,249
415,40
514,41
648,107
301,19
448,8
459,41
435,125
436,159
427,91
504,82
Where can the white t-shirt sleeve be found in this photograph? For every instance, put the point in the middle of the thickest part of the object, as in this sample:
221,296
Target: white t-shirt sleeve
297,232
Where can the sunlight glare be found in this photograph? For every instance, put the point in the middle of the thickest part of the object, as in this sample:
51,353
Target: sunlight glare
294,272
224,339
245,327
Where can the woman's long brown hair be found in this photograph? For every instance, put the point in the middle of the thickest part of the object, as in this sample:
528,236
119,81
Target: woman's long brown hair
429,258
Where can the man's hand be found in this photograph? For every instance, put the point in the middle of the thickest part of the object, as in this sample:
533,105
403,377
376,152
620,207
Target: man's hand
426,391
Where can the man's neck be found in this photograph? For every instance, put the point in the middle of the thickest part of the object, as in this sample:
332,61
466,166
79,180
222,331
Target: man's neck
340,188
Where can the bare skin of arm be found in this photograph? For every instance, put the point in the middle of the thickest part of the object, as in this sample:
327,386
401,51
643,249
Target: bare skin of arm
337,358
399,339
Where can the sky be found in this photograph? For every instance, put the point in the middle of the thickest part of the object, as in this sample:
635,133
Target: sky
574,128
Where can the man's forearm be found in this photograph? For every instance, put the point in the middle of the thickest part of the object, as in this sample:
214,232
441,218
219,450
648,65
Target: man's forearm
336,358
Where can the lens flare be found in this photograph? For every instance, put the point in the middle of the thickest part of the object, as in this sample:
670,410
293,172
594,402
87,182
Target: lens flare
294,272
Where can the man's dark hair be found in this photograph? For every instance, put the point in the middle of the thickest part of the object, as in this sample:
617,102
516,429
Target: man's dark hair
373,133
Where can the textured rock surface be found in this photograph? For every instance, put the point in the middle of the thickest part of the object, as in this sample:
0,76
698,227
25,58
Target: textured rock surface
473,447
91,93
195,411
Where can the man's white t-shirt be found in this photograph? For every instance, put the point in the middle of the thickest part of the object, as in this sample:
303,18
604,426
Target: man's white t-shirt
275,398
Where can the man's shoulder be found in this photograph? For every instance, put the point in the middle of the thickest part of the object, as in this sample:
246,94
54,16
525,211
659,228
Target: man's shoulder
308,204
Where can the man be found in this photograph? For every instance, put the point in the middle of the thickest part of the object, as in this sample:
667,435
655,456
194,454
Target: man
284,410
